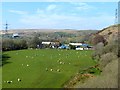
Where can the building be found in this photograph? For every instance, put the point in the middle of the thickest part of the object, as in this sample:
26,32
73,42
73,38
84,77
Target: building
15,35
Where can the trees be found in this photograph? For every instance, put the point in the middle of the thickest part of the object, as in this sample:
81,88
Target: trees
106,53
34,42
13,44
20,44
7,44
97,39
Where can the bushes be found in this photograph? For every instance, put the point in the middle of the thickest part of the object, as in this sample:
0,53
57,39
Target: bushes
20,44
107,79
7,44
13,44
98,51
34,42
107,58
17,44
97,39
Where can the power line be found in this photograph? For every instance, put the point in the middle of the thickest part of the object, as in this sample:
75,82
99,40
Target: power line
116,16
6,26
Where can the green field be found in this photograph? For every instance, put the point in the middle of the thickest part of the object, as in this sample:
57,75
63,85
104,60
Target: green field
33,67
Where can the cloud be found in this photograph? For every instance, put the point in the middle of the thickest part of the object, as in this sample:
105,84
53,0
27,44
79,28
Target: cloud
82,6
18,12
66,21
51,7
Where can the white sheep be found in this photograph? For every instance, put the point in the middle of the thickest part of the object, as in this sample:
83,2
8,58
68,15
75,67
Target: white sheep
51,69
60,62
19,79
58,70
27,65
8,81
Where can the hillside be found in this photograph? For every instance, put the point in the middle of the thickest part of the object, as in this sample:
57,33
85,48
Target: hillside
108,60
109,32
63,35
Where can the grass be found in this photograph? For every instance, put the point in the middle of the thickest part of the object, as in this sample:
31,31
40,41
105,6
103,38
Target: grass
107,79
35,75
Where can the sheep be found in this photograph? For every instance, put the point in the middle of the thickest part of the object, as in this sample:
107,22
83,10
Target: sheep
51,69
58,70
19,79
26,56
9,82
22,64
60,62
27,65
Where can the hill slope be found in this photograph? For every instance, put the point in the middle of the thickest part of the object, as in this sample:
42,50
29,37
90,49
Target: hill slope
109,32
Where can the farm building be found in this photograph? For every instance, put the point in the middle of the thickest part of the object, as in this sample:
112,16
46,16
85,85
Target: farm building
80,46
75,44
15,35
46,43
51,44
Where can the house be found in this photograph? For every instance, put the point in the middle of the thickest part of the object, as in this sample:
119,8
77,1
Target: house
80,46
50,44
15,35
75,44
46,43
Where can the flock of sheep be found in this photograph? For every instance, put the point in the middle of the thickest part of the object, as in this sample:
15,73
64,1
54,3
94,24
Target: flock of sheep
47,69
12,81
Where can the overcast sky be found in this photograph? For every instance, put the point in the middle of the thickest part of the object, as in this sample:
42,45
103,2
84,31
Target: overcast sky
58,15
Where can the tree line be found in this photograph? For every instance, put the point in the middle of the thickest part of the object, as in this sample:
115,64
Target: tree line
18,44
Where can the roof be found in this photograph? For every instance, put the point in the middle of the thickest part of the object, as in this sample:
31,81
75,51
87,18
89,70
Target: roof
15,35
46,42
75,44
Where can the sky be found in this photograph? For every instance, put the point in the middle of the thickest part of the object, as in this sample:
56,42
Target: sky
58,15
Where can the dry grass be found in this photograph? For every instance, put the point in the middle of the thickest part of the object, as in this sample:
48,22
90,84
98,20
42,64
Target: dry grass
107,79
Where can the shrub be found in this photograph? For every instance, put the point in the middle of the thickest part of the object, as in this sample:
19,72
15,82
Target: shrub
97,39
107,79
98,51
107,58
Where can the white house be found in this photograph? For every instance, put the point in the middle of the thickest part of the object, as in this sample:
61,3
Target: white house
47,43
15,35
79,48
75,44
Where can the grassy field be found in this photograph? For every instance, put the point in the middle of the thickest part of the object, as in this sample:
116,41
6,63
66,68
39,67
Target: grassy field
42,68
